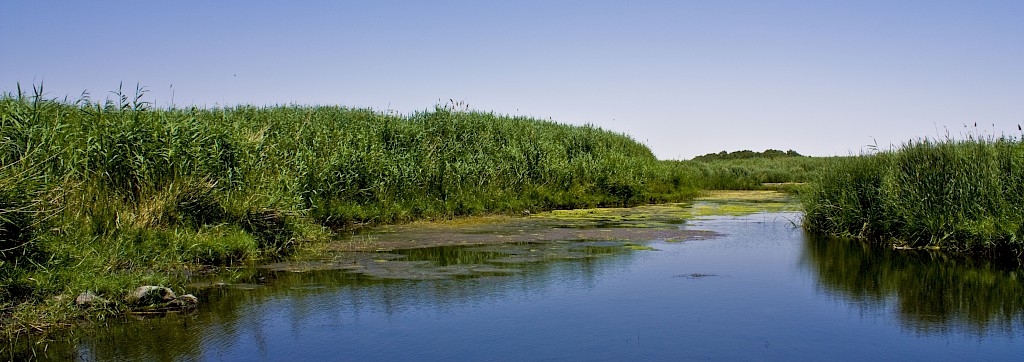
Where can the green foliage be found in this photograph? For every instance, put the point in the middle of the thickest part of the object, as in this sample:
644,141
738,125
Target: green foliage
965,195
750,173
100,196
746,154
217,245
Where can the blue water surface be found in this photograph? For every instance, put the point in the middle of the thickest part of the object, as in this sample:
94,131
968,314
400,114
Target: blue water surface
763,290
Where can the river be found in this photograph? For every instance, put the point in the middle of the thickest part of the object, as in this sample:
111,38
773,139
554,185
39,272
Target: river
740,283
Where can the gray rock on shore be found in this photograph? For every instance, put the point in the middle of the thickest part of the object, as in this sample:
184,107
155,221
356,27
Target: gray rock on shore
185,301
87,300
149,295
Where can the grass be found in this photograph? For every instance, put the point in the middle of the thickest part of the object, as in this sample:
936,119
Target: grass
736,203
961,195
104,197
752,173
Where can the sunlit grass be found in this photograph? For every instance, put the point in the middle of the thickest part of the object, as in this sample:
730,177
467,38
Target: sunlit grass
752,173
104,197
963,195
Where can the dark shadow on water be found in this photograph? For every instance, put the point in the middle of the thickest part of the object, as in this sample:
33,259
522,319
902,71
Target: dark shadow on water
744,281
930,292
294,297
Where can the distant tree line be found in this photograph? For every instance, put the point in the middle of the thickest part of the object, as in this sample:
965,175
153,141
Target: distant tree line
746,154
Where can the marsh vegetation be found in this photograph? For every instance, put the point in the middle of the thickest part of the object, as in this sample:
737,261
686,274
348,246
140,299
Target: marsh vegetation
958,195
105,196
102,197
754,173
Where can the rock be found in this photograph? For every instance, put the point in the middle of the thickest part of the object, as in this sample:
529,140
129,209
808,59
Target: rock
87,299
149,295
150,298
186,301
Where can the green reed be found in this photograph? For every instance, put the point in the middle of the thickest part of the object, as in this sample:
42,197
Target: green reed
750,173
965,195
104,196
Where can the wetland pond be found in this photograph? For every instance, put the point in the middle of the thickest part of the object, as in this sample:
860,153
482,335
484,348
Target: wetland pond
729,277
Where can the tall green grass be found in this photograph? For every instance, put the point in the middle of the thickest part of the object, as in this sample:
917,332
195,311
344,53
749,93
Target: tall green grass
965,195
749,173
106,196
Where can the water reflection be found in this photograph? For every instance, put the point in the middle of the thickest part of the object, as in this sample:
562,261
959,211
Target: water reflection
321,304
931,293
759,291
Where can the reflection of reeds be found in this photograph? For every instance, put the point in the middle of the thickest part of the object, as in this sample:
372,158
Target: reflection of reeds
964,195
933,293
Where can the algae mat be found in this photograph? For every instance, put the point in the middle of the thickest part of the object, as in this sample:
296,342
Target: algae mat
665,222
496,245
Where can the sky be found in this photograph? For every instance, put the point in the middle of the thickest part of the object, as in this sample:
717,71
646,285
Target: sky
685,78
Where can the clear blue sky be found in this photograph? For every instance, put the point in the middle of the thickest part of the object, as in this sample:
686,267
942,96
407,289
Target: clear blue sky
684,77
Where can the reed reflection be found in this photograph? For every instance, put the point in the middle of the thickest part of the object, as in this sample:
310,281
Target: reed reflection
930,292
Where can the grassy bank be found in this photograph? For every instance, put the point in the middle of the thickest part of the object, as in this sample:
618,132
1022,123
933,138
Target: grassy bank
960,195
750,173
104,197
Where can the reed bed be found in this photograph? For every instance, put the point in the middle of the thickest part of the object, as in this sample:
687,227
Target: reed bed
103,197
963,195
751,173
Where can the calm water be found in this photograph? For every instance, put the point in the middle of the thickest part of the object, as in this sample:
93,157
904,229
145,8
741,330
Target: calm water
763,290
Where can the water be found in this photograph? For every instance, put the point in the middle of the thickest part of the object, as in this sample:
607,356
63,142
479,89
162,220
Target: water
763,290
